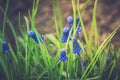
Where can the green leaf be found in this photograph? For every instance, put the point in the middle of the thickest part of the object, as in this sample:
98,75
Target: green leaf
53,40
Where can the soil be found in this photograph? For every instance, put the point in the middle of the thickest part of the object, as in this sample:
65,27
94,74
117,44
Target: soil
108,16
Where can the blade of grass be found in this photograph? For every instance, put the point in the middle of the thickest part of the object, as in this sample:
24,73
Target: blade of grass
53,40
93,28
83,27
60,17
55,19
85,5
14,33
5,17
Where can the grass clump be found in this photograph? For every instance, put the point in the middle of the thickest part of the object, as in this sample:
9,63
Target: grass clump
60,57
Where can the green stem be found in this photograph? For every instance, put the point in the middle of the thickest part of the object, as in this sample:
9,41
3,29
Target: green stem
66,70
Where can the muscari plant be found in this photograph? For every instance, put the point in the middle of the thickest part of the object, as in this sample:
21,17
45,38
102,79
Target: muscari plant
61,57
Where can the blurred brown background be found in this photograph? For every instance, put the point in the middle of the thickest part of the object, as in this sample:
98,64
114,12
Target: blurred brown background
108,16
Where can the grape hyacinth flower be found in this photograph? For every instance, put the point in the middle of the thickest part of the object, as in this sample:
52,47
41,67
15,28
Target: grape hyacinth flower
70,21
66,30
5,47
63,56
78,30
33,35
78,26
76,47
108,60
65,35
41,37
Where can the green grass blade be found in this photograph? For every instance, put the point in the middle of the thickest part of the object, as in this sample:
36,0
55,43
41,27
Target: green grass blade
55,19
53,40
93,30
5,17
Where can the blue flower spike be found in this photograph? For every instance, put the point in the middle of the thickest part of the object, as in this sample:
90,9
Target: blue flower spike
76,47
41,37
78,25
78,30
65,35
5,47
63,56
108,60
33,35
70,20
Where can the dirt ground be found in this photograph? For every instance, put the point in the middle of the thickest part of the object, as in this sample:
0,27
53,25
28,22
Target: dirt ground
108,16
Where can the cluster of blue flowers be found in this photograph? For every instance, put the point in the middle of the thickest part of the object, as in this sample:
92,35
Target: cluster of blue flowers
64,38
33,36
6,48
66,33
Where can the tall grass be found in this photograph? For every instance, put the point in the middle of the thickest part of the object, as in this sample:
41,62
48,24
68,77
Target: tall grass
41,61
